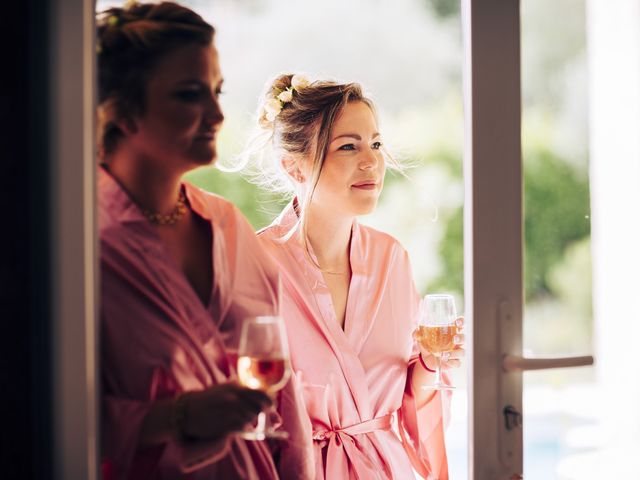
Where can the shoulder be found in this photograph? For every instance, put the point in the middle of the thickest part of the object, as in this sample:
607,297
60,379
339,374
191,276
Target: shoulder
379,240
270,233
381,249
222,213
212,202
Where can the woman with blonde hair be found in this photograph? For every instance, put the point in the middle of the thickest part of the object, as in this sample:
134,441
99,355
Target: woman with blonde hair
180,268
349,302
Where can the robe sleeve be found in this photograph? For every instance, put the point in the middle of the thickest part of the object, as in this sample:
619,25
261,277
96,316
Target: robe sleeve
294,457
422,427
255,284
256,278
124,418
121,422
123,410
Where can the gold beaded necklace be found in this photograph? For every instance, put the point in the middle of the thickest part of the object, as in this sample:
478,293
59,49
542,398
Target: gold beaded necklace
170,218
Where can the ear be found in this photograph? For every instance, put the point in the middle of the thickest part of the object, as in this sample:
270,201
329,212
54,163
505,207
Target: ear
292,167
127,125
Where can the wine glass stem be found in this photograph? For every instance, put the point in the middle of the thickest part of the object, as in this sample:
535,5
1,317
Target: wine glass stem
438,370
262,422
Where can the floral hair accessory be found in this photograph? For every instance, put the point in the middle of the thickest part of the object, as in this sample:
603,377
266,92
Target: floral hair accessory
286,95
113,20
273,106
299,81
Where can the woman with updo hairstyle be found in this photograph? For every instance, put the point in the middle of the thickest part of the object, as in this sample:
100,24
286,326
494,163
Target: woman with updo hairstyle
180,268
349,301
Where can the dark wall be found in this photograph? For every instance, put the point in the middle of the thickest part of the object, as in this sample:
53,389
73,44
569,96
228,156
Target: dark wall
25,386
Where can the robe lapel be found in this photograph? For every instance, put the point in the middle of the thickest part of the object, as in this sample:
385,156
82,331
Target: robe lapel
366,290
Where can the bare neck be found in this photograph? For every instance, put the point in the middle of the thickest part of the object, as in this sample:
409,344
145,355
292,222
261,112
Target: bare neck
152,188
330,237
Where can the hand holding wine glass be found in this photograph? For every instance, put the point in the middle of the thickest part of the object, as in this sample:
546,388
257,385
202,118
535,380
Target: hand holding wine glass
439,336
202,419
263,364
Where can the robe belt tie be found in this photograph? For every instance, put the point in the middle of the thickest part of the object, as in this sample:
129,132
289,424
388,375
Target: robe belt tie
345,449
379,423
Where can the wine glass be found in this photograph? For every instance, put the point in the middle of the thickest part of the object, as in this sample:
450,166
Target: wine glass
436,332
263,364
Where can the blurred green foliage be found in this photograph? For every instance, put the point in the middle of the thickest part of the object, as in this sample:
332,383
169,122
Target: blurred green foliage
258,206
556,215
445,8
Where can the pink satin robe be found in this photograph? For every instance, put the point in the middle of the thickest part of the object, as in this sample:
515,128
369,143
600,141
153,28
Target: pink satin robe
356,380
158,339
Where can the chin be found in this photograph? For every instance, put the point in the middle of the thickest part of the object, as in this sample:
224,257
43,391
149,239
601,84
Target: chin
365,208
205,157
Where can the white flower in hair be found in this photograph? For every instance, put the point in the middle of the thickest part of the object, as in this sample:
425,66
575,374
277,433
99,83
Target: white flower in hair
299,81
285,95
272,108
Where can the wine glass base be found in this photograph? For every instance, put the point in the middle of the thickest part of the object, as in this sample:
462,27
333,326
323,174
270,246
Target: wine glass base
274,434
438,387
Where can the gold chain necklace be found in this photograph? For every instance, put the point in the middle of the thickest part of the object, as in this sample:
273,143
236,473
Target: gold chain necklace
170,218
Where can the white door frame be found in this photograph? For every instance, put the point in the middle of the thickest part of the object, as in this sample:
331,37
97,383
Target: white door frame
493,240
493,232
75,384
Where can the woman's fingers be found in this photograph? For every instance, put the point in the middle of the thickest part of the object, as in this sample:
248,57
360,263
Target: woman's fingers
223,409
457,353
452,363
254,398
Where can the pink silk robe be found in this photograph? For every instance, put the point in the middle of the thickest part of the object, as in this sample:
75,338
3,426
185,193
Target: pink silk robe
158,339
356,380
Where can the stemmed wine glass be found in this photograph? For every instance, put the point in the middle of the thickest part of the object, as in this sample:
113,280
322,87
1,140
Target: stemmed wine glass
436,331
263,364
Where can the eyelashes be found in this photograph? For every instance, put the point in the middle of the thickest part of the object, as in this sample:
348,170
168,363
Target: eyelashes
189,95
347,147
352,147
192,95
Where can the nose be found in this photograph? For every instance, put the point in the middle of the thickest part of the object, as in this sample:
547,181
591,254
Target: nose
369,160
213,113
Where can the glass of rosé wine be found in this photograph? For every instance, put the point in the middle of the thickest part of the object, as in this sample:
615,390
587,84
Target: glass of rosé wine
263,364
436,331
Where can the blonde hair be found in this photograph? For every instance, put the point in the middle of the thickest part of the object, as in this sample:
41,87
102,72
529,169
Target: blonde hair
300,130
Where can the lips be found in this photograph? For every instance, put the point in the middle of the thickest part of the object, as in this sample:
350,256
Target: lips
365,185
206,136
